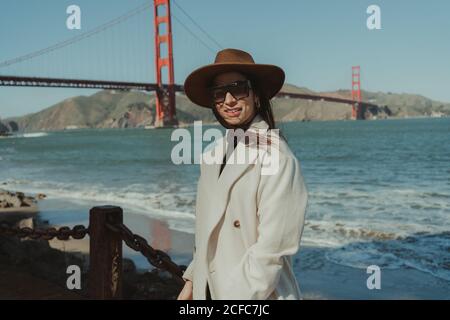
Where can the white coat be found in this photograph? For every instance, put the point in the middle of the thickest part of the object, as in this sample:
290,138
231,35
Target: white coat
248,226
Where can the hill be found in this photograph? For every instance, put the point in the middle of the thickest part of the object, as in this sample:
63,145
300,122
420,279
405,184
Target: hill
122,109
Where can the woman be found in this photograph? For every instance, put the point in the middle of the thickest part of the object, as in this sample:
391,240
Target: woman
248,223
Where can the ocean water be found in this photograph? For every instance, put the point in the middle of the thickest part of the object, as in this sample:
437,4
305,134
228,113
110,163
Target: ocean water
379,190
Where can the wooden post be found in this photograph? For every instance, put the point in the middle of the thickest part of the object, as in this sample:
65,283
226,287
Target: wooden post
105,266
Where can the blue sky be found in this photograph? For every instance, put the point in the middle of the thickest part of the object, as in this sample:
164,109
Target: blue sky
316,42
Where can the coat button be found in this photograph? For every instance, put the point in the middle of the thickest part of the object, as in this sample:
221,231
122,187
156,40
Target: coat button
236,223
212,266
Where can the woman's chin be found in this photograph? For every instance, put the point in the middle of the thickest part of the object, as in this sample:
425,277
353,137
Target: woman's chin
233,121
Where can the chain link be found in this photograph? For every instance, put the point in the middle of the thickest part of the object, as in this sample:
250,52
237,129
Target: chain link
157,258
63,233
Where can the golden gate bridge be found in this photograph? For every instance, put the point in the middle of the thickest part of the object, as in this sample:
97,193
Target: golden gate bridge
165,90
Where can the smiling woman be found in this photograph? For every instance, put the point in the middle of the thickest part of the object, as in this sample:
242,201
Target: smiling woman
248,224
232,99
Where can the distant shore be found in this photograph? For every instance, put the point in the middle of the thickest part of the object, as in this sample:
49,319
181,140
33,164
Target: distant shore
189,125
113,109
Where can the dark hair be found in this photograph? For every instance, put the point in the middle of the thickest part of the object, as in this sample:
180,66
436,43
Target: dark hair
264,108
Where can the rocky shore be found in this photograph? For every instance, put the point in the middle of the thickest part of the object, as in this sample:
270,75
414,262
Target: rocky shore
35,269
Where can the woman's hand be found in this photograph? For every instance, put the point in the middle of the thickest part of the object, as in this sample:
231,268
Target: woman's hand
186,293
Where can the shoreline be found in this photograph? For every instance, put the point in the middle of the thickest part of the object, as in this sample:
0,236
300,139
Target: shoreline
318,277
57,213
189,125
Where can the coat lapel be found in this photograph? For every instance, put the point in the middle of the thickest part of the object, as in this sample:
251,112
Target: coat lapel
241,159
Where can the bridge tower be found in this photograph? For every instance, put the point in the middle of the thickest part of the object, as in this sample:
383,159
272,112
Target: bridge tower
357,113
165,94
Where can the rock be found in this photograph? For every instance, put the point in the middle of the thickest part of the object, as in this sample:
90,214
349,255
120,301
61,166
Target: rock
150,286
13,126
3,128
3,204
28,222
41,196
28,202
128,266
16,200
11,199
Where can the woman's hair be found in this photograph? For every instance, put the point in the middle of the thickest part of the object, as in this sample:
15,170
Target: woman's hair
264,107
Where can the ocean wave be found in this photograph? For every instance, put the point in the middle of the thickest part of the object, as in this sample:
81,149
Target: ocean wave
31,135
437,195
376,194
369,239
417,206
337,233
392,246
422,251
177,209
351,232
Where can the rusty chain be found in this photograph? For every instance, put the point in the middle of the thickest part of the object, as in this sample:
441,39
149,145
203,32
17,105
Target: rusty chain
157,258
63,233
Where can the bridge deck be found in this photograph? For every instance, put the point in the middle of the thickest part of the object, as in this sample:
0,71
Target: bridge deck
118,85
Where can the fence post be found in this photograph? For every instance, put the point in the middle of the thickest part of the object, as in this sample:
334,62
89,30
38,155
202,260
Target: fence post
105,257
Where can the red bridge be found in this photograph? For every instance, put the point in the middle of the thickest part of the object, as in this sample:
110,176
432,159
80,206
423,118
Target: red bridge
165,90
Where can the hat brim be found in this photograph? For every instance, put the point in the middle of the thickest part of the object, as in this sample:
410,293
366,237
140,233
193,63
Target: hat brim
270,79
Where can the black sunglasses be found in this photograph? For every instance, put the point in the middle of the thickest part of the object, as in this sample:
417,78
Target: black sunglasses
238,89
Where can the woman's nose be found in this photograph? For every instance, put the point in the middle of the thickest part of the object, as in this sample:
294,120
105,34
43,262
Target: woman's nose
229,99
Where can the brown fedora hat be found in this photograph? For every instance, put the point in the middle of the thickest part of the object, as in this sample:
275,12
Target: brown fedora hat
269,78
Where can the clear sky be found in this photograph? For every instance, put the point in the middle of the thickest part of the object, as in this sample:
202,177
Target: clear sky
315,41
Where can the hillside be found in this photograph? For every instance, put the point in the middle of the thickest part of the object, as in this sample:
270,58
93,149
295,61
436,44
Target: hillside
117,109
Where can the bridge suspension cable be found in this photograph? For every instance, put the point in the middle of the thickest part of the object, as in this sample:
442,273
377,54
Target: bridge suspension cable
80,37
193,34
198,26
